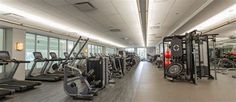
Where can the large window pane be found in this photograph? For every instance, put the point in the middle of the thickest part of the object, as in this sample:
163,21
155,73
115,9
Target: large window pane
89,49
29,49
62,48
70,46
1,45
42,46
1,39
142,53
95,49
53,45
77,47
129,49
92,49
100,49
110,51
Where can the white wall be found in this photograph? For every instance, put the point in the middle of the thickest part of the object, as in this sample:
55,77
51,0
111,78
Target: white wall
12,37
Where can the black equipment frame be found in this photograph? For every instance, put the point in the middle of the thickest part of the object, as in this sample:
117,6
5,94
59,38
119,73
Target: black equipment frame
190,53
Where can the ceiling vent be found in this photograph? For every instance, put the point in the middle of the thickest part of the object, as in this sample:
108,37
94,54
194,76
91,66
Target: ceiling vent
155,27
125,38
13,16
85,6
115,30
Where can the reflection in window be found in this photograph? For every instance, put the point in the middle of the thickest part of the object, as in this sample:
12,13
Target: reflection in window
110,51
77,47
1,45
94,49
1,39
53,45
89,50
70,45
62,48
42,46
129,49
29,49
142,53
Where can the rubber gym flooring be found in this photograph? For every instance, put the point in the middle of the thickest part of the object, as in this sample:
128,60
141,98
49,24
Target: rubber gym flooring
144,84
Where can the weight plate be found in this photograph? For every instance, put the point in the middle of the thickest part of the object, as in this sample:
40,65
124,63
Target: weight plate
174,70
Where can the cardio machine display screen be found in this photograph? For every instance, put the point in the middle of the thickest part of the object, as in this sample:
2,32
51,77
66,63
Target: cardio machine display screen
4,55
38,55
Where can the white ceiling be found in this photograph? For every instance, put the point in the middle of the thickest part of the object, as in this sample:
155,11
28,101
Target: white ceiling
167,14
226,31
120,14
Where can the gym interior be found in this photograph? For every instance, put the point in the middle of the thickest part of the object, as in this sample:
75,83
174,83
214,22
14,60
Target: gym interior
117,51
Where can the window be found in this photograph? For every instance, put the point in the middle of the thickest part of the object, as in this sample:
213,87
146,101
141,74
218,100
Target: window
70,46
89,50
77,47
1,39
29,49
42,45
99,49
62,48
92,49
53,45
142,53
1,45
95,49
110,51
129,49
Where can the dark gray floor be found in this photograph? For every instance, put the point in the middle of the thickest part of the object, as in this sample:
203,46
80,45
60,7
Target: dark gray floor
122,91
145,84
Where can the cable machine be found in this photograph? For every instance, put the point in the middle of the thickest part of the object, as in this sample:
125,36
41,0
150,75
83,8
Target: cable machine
187,56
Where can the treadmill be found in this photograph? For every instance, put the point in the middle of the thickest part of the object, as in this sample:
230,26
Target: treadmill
4,92
57,65
10,82
42,76
46,70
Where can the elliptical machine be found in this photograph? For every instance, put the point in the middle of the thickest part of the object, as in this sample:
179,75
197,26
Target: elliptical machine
77,87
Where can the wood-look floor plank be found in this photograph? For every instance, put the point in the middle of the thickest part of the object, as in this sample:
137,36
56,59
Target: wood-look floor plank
122,91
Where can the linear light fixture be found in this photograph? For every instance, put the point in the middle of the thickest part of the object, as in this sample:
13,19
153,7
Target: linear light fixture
53,24
224,16
142,11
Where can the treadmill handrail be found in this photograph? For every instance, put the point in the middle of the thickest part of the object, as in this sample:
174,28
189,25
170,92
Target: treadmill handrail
15,61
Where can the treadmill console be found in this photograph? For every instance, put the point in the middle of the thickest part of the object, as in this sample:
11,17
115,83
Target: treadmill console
38,55
4,55
53,55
